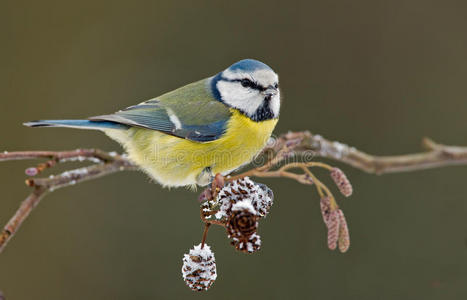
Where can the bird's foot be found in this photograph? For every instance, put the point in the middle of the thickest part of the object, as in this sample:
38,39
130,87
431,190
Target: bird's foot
217,183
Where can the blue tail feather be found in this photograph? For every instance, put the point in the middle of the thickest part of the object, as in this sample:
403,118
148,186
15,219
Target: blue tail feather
80,124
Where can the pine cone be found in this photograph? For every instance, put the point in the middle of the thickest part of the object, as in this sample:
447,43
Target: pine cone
243,220
242,226
239,205
250,245
209,207
199,268
264,200
259,195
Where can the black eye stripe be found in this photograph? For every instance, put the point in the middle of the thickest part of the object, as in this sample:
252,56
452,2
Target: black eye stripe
250,84
245,82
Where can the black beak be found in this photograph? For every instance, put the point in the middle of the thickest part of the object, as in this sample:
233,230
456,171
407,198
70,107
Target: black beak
269,93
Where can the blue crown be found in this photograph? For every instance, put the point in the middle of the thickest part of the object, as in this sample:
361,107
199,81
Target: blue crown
249,65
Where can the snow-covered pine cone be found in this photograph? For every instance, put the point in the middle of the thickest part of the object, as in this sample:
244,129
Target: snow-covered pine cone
241,227
199,268
264,200
250,245
259,195
239,205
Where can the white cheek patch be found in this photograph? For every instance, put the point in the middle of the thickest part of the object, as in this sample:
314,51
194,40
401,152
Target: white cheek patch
233,94
275,104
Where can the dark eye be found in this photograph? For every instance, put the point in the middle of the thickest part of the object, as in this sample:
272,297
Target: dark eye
276,85
246,83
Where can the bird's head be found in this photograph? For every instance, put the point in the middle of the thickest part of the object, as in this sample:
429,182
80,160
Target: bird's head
251,87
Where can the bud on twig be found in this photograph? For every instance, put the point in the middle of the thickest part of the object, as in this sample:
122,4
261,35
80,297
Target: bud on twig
344,237
325,204
205,195
333,229
342,182
338,232
31,171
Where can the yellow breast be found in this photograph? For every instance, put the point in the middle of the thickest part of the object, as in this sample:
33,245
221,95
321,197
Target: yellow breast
243,139
174,161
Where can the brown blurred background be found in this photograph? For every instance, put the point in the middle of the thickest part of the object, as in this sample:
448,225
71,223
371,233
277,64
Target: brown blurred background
378,75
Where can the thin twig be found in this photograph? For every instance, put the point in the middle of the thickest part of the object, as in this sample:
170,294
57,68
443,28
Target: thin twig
205,234
59,155
437,155
21,214
41,186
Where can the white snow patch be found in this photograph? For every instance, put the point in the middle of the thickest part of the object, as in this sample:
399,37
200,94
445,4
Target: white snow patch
244,205
75,173
81,159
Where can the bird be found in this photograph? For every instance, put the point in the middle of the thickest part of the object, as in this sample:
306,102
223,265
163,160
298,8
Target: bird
189,135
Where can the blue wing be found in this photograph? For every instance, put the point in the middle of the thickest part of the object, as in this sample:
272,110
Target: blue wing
190,112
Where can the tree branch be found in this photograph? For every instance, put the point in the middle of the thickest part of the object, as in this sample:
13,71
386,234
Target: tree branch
303,143
437,155
107,163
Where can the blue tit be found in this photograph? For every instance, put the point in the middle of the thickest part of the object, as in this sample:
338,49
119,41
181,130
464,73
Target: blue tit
186,136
